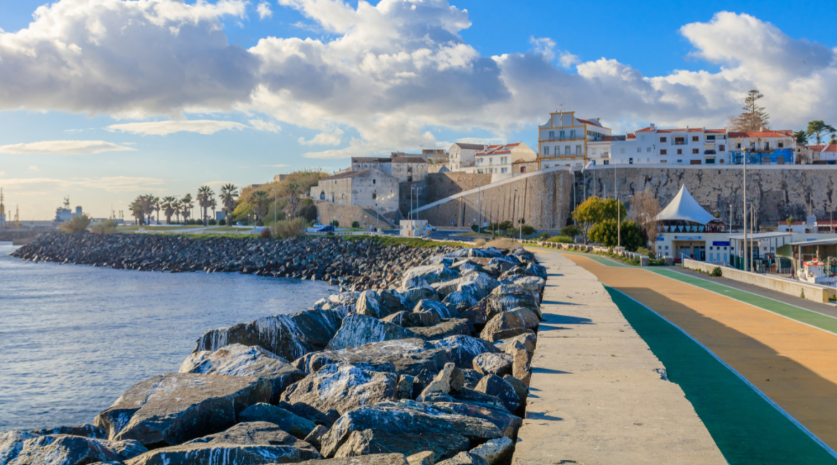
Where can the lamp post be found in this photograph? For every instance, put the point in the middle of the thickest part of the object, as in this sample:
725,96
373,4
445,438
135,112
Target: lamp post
745,208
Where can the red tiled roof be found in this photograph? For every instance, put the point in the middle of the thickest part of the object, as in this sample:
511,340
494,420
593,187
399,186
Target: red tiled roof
594,123
498,149
816,148
756,134
831,148
666,131
630,136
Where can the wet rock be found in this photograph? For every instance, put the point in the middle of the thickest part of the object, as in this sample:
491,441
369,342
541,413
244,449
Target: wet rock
378,304
422,458
452,327
461,349
374,441
315,436
509,324
251,443
379,459
429,274
288,336
495,451
289,422
177,407
240,360
435,307
408,356
358,330
521,388
406,417
493,363
464,458
60,449
499,388
342,388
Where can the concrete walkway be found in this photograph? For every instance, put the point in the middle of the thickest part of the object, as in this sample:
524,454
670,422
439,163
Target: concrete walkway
598,394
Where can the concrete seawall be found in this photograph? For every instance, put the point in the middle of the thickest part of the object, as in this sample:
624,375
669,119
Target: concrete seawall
598,394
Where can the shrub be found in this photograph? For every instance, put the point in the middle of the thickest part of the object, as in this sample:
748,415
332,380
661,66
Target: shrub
544,236
288,228
475,228
644,251
716,273
571,231
105,227
212,222
265,233
528,230
222,223
505,226
561,239
335,223
355,224
76,225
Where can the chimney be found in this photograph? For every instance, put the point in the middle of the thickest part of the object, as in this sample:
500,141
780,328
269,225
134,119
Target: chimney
653,127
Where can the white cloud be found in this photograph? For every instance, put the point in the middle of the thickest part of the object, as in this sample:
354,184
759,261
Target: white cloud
264,10
544,46
260,125
63,147
108,184
275,166
33,168
334,137
567,59
162,128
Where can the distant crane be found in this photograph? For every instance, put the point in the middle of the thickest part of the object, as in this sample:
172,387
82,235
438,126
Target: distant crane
17,217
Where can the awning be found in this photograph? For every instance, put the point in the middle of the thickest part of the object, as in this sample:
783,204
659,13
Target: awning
685,208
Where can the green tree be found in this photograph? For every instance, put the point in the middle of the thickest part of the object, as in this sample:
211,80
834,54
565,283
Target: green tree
260,200
595,210
292,192
571,231
168,204
186,204
790,220
801,137
137,212
205,200
76,225
156,206
605,233
818,129
754,118
229,192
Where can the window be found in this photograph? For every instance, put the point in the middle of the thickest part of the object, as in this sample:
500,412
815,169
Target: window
606,162
641,137
679,161
663,152
567,150
679,151
648,149
578,150
605,153
503,170
630,161
695,151
594,151
546,150
551,135
562,135
679,141
639,150
739,146
695,138
572,133
663,161
781,144
373,181
721,147
622,150
663,139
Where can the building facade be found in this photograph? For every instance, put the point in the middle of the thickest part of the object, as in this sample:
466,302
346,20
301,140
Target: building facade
498,159
689,146
764,147
564,140
370,188
404,168
462,155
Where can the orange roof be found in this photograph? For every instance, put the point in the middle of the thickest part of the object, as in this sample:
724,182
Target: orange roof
831,148
757,134
589,122
630,136
498,149
666,131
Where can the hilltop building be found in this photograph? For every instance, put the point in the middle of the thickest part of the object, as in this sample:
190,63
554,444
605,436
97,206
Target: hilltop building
404,168
498,159
564,140
463,155
363,188
689,146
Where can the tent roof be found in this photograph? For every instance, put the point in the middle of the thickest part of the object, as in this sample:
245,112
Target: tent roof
685,208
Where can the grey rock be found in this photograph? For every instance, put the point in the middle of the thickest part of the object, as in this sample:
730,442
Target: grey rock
374,441
379,459
60,449
536,270
422,458
310,413
176,407
472,377
464,458
290,422
406,387
252,443
429,273
507,297
378,304
493,363
410,297
521,368
504,420
435,396
460,301
315,437
343,302
288,336
406,417
408,356
475,283
342,388
450,378
509,324
462,349
528,339
498,387
127,449
407,319
358,330
452,327
495,451
438,308
88,431
521,388
240,360
472,396
532,284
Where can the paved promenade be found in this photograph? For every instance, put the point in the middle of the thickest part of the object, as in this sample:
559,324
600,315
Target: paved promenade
786,353
598,394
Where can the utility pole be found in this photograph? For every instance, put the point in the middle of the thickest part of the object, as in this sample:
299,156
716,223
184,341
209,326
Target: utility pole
618,211
752,228
745,209
275,204
376,209
479,208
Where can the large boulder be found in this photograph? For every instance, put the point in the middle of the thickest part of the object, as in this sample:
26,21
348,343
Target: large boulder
377,459
532,284
375,441
452,327
495,451
310,413
507,297
498,387
493,363
429,274
240,360
480,284
460,301
504,420
62,449
533,269
461,349
407,319
251,443
290,422
464,458
509,324
358,330
410,297
450,378
472,396
88,431
176,407
526,340
342,388
378,304
405,417
407,356
343,303
288,336
435,307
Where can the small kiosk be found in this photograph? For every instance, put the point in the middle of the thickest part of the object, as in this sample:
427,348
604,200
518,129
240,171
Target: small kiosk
413,228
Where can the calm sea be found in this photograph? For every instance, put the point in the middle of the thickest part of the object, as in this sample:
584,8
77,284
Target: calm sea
73,338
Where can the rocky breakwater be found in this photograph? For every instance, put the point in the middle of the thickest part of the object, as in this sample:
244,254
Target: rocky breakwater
433,371
363,264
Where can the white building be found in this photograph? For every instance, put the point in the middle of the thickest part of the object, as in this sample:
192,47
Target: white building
498,159
689,146
564,140
403,167
766,147
369,188
828,153
463,155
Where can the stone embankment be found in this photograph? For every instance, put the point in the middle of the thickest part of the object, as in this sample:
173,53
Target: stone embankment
433,371
361,264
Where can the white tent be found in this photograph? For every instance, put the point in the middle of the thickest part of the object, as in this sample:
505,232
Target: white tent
684,207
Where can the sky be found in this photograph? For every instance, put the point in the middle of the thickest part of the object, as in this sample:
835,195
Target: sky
103,100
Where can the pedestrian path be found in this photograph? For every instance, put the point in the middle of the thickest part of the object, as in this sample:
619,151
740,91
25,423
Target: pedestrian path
727,334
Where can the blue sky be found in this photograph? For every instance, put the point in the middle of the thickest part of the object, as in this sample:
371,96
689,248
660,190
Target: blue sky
365,80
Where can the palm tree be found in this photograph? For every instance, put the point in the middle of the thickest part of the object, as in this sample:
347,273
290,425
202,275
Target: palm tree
293,200
176,207
186,204
205,198
137,211
167,203
228,194
260,199
155,203
147,204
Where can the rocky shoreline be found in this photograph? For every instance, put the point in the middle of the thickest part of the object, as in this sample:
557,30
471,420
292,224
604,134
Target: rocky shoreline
363,264
432,368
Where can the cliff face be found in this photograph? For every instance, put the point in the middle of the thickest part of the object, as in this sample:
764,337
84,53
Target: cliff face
777,192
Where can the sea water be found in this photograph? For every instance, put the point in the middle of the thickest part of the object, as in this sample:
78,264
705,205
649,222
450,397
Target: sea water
73,338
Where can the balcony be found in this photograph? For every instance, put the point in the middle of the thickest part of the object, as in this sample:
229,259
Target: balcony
679,142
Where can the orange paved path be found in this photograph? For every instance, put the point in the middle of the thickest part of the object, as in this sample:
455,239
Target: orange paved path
795,365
